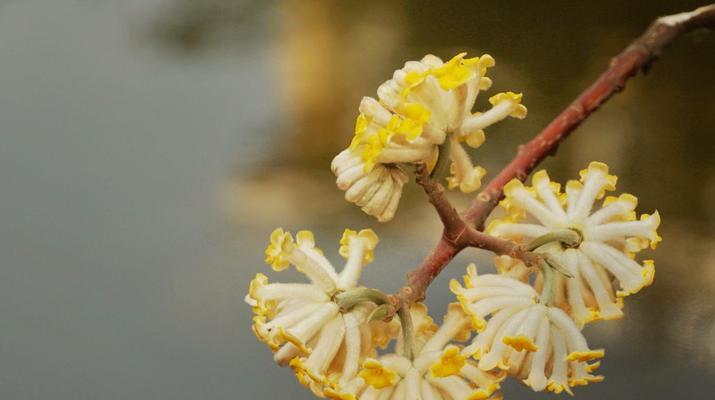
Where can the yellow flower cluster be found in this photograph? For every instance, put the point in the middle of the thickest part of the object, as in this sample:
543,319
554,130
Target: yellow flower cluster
333,351
531,328
438,369
535,342
528,322
426,103
611,237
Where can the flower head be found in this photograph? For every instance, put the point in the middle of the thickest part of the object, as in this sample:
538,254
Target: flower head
439,370
610,236
301,322
535,342
424,104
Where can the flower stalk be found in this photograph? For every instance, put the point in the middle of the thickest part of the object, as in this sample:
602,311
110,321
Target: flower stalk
408,332
349,299
547,292
568,237
441,168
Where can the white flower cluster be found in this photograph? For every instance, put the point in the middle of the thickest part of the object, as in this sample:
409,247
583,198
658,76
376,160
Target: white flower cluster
334,351
426,103
332,332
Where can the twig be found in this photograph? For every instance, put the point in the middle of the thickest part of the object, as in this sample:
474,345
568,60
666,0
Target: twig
454,225
458,233
638,56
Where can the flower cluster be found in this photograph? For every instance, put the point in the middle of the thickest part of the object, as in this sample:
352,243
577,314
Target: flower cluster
528,319
425,104
301,322
609,239
438,370
533,341
333,350
533,330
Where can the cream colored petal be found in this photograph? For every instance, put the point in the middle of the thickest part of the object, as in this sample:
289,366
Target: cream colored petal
517,231
497,113
558,380
483,342
627,271
454,323
311,268
492,304
608,309
331,337
428,391
353,343
536,208
570,261
499,350
545,190
455,386
353,267
537,374
308,327
303,291
412,385
615,230
359,188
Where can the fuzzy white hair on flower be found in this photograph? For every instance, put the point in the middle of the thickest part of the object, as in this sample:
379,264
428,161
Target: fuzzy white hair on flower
439,370
426,103
610,237
301,322
533,341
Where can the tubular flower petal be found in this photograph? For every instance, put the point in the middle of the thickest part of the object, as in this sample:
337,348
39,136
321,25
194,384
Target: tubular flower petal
377,192
439,370
534,342
425,103
611,235
301,322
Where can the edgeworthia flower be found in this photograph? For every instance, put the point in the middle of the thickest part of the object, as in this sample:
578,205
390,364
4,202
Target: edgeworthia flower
425,103
535,342
609,239
301,322
439,371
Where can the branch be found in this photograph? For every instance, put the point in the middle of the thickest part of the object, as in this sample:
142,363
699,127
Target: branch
454,224
638,56
459,233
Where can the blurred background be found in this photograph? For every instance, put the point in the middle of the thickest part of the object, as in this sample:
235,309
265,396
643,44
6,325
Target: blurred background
149,147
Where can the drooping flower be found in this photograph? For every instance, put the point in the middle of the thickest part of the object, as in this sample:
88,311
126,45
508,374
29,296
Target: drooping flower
439,371
535,342
301,322
424,104
610,237
377,192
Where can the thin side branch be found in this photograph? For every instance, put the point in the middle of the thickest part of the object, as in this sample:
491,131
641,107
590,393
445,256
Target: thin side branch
453,223
457,235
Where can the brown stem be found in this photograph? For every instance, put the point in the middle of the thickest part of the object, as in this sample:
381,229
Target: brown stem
419,279
458,233
453,223
638,56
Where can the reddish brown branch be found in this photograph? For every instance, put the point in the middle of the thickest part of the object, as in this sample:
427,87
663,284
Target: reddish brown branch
638,56
419,279
478,239
458,233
